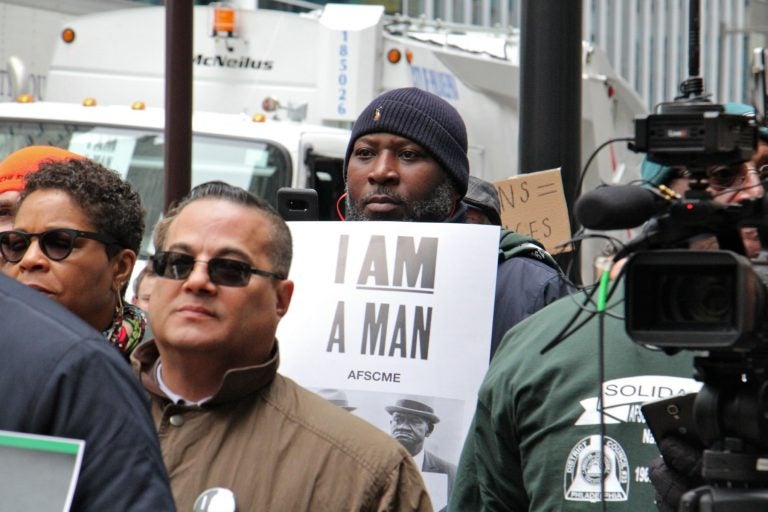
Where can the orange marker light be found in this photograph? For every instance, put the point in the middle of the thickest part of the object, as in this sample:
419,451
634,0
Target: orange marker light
394,56
223,19
89,102
409,56
68,35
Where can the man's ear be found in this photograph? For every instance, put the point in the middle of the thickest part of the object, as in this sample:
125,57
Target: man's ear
284,290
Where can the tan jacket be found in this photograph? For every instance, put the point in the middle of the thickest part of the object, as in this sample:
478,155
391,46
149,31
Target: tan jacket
278,447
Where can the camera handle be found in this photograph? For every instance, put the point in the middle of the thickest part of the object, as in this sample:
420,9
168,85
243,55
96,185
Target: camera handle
729,416
745,487
718,499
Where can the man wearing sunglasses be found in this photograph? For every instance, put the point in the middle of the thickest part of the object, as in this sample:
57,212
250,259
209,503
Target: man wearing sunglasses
225,417
727,184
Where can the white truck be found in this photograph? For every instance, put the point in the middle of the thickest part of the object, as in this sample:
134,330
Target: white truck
22,22
276,92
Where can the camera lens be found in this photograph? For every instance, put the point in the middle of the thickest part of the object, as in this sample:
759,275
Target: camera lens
698,299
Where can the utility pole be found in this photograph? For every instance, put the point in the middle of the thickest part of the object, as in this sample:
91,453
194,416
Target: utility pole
550,93
178,99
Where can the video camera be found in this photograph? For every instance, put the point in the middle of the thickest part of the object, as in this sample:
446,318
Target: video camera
695,300
714,301
696,134
687,299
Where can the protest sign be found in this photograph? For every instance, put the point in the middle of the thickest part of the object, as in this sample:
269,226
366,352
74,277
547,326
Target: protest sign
389,311
534,204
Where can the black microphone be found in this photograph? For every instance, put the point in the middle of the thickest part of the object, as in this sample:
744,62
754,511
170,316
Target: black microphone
617,207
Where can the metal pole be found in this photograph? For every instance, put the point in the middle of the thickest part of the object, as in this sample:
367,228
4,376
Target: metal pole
550,90
178,99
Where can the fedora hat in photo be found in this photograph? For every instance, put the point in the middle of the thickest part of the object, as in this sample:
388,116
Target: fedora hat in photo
414,407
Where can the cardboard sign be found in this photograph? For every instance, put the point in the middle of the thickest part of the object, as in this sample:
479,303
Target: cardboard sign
534,204
390,311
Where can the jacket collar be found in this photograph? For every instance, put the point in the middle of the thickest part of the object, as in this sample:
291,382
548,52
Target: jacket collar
236,384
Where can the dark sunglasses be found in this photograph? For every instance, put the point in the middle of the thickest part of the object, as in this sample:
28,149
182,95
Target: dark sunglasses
221,271
56,244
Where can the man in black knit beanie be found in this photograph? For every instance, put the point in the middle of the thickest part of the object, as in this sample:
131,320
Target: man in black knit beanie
407,161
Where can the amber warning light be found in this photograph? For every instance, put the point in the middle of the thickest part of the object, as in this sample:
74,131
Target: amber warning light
223,19
68,35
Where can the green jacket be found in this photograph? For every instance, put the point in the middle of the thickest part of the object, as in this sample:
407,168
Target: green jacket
535,438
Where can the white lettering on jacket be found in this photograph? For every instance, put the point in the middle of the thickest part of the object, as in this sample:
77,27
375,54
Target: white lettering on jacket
623,397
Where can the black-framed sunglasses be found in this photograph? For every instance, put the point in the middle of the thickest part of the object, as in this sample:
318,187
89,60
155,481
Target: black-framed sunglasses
221,271
56,244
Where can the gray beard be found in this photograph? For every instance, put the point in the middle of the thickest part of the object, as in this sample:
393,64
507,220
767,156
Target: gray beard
435,208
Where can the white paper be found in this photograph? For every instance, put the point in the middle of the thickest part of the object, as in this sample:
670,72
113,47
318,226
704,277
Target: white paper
437,283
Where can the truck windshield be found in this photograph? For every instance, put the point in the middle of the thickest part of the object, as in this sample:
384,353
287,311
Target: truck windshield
258,166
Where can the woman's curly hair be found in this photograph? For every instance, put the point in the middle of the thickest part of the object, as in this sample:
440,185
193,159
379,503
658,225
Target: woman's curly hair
111,204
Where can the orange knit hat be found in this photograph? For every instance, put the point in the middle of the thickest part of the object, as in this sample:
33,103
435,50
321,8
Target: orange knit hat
26,160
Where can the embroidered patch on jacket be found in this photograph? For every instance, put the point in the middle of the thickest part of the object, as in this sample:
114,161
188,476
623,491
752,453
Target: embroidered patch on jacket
583,470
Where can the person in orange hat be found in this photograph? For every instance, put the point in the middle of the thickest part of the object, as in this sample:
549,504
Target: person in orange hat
13,171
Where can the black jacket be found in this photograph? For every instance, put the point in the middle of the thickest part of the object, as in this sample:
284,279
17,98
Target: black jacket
59,377
524,285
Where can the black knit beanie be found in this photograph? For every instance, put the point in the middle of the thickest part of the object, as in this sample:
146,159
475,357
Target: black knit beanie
424,118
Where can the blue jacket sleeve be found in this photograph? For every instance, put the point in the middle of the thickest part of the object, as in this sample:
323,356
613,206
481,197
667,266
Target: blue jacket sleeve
523,286
89,395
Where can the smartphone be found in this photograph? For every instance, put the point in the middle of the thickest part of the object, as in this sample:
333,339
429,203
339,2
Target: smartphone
673,416
297,203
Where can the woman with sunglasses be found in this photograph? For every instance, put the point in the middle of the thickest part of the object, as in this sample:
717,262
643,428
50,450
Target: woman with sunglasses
75,238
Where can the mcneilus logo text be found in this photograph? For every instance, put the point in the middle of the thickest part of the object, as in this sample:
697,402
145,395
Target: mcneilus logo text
243,62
